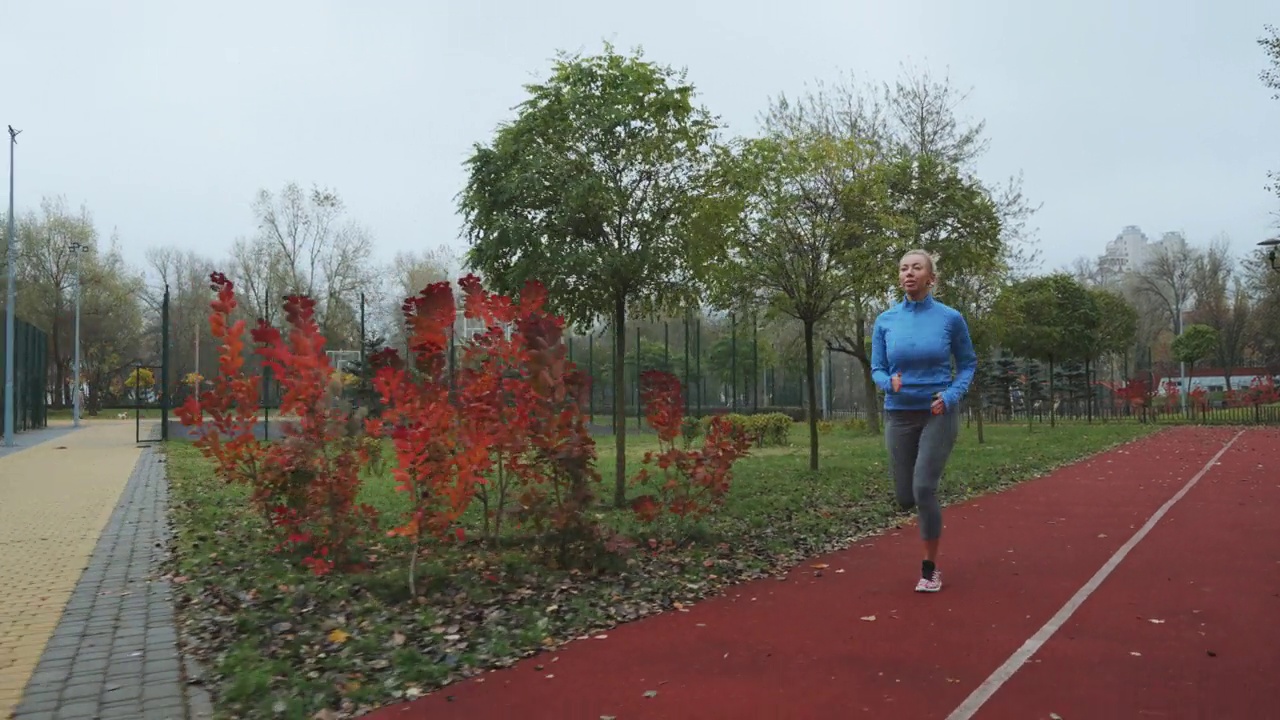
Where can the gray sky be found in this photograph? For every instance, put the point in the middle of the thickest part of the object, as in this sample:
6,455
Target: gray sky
166,119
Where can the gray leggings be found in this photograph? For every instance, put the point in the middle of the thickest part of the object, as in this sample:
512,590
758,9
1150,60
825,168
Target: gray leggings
919,444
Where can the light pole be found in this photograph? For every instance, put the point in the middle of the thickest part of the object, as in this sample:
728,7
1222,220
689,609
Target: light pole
11,300
78,248
1273,254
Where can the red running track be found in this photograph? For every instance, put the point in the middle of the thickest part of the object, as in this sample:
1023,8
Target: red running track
860,644
1189,625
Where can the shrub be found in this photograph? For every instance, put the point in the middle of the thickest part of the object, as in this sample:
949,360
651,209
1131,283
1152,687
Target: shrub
691,483
512,413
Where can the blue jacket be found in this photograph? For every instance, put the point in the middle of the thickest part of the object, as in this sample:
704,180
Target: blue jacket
918,340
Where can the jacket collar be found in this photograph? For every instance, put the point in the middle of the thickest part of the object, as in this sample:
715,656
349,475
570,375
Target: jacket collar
917,305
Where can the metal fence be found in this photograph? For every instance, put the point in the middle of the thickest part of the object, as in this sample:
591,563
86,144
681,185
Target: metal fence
30,372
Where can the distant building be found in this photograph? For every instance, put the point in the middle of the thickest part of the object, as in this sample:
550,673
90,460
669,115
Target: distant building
1131,249
1126,252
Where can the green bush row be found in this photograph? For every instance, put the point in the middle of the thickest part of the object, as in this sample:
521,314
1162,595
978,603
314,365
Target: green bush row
765,429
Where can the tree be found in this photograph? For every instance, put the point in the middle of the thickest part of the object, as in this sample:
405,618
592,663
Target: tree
1196,343
1221,304
913,125
1270,44
596,189
1115,333
1167,278
1051,318
806,229
1263,331
306,245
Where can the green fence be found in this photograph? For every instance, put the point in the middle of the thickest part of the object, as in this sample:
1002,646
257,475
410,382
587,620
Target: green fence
30,373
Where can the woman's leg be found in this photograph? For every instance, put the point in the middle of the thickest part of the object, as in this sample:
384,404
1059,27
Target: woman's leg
902,431
936,442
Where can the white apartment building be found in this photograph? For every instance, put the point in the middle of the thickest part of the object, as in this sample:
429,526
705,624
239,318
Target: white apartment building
1131,249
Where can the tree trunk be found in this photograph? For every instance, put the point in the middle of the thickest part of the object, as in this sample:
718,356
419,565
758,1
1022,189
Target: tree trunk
975,400
620,399
873,398
1052,408
811,374
1088,384
1026,395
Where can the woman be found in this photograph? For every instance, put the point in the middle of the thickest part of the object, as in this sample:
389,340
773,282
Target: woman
911,350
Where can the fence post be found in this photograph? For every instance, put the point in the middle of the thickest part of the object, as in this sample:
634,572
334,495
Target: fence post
164,365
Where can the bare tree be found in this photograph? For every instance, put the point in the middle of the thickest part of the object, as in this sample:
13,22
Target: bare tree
1221,303
305,245
1167,278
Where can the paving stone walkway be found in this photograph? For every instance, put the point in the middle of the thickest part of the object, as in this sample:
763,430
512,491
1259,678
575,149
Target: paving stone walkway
114,652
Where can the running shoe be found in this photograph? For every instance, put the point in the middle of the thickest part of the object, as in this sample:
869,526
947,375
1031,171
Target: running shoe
931,584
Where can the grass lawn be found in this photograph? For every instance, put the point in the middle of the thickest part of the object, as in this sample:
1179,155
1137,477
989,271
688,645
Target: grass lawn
280,643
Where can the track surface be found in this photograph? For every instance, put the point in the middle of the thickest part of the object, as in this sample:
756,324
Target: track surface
857,642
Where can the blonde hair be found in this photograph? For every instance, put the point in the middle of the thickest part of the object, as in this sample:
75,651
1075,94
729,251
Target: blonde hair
928,258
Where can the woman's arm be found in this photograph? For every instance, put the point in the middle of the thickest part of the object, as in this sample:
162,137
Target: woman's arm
879,363
966,361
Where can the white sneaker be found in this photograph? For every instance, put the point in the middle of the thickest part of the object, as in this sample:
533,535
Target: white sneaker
932,584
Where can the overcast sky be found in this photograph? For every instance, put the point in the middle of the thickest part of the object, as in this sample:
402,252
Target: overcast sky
166,117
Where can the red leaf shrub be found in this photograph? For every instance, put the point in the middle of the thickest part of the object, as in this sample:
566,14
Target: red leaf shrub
688,484
520,387
512,410
306,483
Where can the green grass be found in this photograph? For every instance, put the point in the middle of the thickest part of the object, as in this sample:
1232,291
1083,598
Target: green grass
264,625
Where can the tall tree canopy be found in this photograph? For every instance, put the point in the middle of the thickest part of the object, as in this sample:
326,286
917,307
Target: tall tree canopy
598,189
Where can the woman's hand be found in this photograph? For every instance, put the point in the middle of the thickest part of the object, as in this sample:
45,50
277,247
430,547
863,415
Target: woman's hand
939,405
896,382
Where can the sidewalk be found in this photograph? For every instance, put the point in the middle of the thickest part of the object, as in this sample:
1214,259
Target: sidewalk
84,624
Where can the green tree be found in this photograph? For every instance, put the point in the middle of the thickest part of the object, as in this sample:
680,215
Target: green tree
808,202
1270,44
1196,343
596,189
1116,332
1051,318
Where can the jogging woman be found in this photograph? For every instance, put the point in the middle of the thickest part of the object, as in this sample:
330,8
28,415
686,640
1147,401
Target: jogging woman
912,346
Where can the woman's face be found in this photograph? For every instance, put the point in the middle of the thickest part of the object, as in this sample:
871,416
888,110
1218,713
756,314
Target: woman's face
914,274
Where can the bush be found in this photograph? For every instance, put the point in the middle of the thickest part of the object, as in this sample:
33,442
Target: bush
507,420
764,429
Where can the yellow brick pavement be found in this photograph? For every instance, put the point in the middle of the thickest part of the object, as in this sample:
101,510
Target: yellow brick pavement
55,499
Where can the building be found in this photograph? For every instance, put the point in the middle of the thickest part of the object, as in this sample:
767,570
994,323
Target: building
1131,249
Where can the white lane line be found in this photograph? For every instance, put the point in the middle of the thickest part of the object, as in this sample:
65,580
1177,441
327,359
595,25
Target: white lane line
983,693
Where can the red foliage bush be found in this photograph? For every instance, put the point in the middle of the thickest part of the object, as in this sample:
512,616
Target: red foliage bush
690,483
305,484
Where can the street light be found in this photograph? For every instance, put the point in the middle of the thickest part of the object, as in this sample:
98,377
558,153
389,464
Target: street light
1273,255
78,248
11,300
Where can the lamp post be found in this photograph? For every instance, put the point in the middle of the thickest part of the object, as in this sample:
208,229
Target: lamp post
11,301
78,248
1273,253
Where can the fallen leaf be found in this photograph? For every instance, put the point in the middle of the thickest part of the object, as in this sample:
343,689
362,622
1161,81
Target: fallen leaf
338,635
397,639
650,693
1135,654
820,566
1155,620
1055,716
869,618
